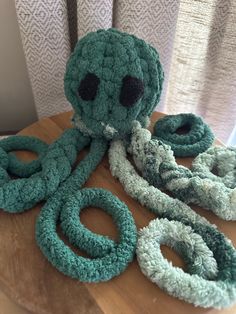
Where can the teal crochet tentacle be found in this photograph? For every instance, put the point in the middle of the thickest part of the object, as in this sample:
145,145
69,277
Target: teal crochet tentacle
54,164
110,258
50,178
195,141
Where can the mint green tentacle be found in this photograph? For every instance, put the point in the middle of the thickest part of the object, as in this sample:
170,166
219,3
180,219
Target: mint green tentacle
209,255
219,159
158,165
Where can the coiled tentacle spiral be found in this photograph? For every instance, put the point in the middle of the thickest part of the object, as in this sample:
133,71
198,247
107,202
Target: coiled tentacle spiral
213,282
198,138
110,258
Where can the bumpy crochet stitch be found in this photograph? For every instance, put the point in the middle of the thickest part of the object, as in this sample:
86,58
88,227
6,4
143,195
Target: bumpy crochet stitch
218,164
21,194
205,285
112,79
12,164
158,166
112,258
198,138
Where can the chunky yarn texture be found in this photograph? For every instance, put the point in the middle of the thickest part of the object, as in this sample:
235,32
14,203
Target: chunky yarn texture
209,255
111,79
220,160
195,141
114,81
51,179
45,174
158,166
110,258
123,76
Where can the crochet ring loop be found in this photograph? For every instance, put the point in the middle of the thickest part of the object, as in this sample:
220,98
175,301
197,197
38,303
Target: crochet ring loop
19,142
181,238
219,292
174,280
113,257
222,160
197,140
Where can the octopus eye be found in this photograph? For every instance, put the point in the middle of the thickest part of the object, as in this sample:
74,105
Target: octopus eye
131,91
88,87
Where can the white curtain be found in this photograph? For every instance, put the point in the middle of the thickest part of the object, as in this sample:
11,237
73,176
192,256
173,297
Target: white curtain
45,37
93,15
203,70
155,21
195,39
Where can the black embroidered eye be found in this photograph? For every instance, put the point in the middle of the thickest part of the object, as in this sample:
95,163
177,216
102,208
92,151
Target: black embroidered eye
88,87
131,91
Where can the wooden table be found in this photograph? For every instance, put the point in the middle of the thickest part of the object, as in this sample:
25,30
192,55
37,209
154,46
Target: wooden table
33,285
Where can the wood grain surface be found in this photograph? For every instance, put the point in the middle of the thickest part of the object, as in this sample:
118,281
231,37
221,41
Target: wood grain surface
30,281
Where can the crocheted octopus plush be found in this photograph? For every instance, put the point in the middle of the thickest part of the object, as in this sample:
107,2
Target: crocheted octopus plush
114,81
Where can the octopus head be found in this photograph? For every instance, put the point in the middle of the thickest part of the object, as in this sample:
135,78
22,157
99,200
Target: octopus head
112,79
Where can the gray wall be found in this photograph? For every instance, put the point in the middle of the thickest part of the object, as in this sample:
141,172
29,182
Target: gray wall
17,108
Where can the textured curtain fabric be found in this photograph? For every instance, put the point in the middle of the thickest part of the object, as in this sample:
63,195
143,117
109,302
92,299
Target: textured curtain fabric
152,20
202,78
196,41
45,37
93,14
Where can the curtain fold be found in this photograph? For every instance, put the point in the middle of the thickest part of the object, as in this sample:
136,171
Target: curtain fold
203,72
153,21
92,15
45,38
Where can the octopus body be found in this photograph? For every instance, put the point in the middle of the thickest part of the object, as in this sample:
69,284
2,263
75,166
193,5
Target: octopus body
113,81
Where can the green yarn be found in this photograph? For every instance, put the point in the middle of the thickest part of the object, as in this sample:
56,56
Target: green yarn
17,167
158,166
221,160
108,261
110,258
197,140
112,55
77,233
113,81
19,195
192,287
204,192
220,290
196,254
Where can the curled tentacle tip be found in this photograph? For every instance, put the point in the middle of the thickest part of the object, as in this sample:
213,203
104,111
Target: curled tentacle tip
197,139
